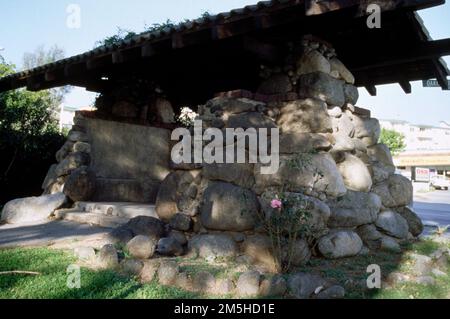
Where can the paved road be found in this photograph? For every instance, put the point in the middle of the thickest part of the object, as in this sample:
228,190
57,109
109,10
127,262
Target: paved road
57,234
433,208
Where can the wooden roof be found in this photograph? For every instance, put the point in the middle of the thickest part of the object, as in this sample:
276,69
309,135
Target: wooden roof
194,60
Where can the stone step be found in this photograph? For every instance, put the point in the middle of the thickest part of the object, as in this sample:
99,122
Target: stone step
117,209
91,218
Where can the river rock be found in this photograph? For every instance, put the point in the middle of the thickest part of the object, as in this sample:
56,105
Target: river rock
273,286
396,191
370,236
355,174
181,222
303,285
415,224
248,283
345,74
259,248
212,246
300,254
107,257
367,129
340,243
354,209
302,171
169,246
295,143
313,61
351,94
141,247
167,272
333,292
227,105
32,209
381,153
80,186
146,226
390,244
319,212
250,120
322,86
132,266
173,193
304,116
72,162
392,224
228,207
343,125
65,150
240,174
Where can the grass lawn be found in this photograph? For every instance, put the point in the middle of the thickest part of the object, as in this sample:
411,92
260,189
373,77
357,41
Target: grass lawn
351,274
51,284
106,284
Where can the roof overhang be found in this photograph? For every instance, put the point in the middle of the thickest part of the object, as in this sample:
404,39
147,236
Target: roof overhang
225,51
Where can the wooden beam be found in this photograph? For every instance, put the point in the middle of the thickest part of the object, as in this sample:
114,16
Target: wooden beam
148,50
33,84
315,7
219,32
76,69
263,50
426,50
263,22
99,62
371,89
230,29
406,86
441,75
177,41
117,57
50,76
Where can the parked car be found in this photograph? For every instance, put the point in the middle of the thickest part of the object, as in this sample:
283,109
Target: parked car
440,182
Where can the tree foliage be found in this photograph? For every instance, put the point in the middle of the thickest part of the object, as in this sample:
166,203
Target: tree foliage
29,138
394,140
124,34
41,56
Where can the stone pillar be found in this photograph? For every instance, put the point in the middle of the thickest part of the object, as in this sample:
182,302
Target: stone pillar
329,157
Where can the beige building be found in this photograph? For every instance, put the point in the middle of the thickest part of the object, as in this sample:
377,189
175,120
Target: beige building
427,147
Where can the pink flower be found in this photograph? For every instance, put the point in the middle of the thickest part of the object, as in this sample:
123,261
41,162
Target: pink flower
275,203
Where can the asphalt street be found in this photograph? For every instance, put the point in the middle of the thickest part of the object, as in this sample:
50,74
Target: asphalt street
433,208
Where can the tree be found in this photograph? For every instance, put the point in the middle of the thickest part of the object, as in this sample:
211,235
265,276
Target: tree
394,140
29,138
41,56
121,35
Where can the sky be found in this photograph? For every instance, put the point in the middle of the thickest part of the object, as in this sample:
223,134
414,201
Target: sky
25,25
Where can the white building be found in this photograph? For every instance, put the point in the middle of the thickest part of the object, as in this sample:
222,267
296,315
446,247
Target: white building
426,147
66,115
421,137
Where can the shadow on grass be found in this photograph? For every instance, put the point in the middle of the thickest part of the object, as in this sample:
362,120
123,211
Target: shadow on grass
351,273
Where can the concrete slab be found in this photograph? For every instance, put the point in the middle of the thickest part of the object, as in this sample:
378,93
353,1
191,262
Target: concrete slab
54,234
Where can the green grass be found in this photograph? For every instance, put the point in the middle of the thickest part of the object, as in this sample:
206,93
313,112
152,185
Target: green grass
51,284
107,284
351,274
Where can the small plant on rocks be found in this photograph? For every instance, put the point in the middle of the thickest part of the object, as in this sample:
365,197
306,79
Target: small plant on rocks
288,221
187,117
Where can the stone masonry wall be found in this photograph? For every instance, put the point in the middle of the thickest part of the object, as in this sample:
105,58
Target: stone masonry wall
330,161
110,161
329,157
